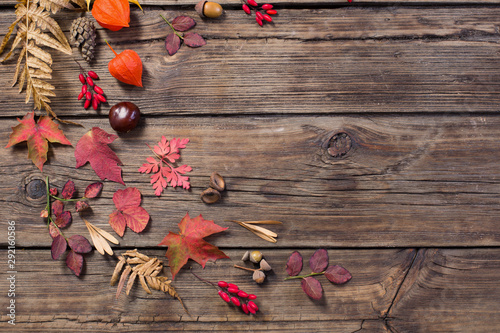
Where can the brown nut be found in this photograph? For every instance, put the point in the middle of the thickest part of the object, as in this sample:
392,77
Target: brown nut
208,9
217,182
264,265
259,276
255,256
210,196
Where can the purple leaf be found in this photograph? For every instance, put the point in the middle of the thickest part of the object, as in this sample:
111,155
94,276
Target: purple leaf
183,23
63,219
68,190
75,262
312,287
172,43
294,264
93,190
192,39
338,274
81,206
57,208
58,247
319,261
79,244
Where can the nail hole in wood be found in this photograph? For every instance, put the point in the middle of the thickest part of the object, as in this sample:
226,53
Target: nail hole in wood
339,145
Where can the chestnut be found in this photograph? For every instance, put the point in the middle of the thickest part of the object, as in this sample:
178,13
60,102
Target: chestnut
124,116
208,9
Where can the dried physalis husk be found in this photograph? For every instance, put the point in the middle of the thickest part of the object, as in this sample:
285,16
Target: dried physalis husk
217,182
264,265
259,276
246,256
210,196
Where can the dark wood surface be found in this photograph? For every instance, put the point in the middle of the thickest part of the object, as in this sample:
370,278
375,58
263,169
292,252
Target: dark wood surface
411,209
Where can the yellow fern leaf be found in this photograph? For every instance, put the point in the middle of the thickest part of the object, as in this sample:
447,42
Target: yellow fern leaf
39,74
39,53
54,5
18,66
33,62
41,38
20,36
22,78
7,36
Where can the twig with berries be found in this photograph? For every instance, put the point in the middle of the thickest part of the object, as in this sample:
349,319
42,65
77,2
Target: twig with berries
260,17
88,85
231,293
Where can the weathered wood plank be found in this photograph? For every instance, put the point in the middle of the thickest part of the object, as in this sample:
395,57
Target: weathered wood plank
48,295
297,67
449,291
407,181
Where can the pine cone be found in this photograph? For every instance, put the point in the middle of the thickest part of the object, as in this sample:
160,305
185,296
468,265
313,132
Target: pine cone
83,35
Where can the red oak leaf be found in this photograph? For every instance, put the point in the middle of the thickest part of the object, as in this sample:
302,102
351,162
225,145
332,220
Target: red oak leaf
93,148
164,171
189,243
37,136
128,211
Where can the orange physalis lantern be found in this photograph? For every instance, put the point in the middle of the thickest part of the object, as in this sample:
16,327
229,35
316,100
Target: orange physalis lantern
126,67
111,14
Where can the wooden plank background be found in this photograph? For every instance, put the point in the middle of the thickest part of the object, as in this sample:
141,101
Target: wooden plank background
411,209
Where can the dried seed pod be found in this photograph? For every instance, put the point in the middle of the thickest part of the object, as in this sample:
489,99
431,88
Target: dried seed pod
210,196
259,276
246,256
264,265
217,182
208,9
255,256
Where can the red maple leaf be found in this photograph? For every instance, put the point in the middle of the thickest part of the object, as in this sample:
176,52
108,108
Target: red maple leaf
164,172
93,148
128,211
37,136
189,243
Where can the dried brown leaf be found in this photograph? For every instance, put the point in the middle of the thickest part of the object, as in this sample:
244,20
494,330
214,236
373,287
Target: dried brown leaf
118,269
123,278
144,284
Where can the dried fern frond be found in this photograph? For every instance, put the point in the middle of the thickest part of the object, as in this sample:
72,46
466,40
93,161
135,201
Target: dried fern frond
147,270
34,64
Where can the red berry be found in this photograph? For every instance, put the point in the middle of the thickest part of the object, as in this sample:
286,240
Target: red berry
82,78
232,290
222,284
252,305
87,104
80,95
246,9
88,95
252,296
232,285
242,294
95,103
90,82
267,6
267,18
224,296
252,3
259,21
84,88
235,301
93,75
98,90
244,308
259,15
271,12
101,98
251,310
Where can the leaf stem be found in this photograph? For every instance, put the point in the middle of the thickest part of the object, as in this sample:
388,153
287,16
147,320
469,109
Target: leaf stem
171,26
247,268
203,280
116,55
48,208
303,276
62,199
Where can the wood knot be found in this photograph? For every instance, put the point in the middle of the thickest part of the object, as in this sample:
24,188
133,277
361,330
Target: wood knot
35,189
339,144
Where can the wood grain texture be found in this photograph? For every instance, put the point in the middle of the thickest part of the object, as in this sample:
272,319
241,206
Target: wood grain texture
449,290
407,181
89,301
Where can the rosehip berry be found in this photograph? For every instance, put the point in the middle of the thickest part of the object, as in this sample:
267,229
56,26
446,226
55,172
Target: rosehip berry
267,6
259,15
242,294
94,75
252,296
87,104
124,116
88,95
98,90
246,9
222,284
101,98
90,81
252,3
235,301
233,290
95,103
251,310
244,308
267,18
259,21
224,296
271,12
82,78
252,305
232,285
84,88
80,95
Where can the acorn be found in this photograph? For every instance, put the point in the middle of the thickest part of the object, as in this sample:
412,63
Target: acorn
255,256
208,9
259,276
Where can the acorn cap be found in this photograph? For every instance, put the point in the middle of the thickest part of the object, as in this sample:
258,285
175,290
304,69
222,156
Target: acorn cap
264,265
210,196
217,182
199,8
246,256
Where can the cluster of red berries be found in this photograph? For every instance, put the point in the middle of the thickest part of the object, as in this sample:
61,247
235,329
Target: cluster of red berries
259,17
88,84
232,294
